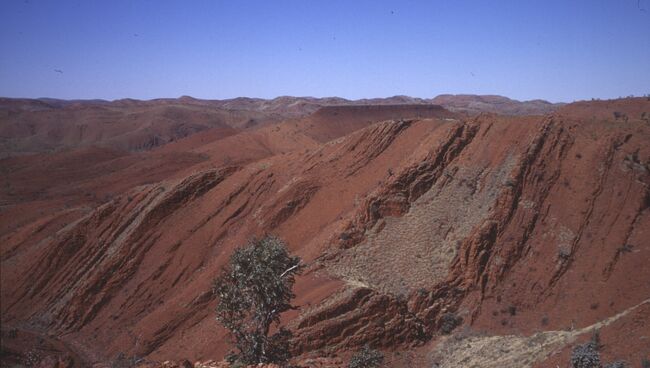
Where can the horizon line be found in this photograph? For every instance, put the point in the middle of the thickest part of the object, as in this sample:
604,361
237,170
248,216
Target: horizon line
301,97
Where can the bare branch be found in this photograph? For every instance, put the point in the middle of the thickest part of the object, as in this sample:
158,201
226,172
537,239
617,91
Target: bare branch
290,269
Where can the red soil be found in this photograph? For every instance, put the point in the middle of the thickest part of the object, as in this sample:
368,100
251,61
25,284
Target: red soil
44,125
516,224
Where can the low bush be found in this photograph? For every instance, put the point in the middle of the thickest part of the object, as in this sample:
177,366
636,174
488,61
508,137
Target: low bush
449,322
645,363
366,358
585,356
617,364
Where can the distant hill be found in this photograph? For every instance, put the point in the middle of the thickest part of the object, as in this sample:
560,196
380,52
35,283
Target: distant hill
296,106
46,124
519,236
475,104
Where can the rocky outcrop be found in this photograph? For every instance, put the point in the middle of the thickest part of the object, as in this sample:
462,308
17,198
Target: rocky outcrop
395,198
93,258
410,229
508,223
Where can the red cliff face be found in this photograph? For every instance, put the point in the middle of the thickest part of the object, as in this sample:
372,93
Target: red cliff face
529,233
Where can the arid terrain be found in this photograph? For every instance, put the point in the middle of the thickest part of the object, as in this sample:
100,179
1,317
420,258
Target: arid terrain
527,224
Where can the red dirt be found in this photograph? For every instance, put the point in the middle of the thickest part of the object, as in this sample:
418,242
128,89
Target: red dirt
32,126
516,224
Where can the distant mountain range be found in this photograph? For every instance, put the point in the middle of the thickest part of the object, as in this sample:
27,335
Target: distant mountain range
46,124
288,105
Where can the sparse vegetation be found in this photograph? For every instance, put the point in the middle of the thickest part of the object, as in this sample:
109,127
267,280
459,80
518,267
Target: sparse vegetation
121,360
32,358
564,254
595,340
449,322
645,363
366,358
626,248
233,361
252,292
545,321
619,115
512,310
588,356
585,356
617,364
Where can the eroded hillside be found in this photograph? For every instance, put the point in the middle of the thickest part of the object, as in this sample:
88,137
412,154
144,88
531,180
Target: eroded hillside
532,230
47,125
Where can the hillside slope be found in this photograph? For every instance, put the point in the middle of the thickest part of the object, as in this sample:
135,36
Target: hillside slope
515,224
131,127
45,125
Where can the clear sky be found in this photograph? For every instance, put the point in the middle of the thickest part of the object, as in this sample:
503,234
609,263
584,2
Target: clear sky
523,49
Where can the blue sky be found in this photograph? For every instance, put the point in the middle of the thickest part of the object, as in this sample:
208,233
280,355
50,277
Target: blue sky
554,50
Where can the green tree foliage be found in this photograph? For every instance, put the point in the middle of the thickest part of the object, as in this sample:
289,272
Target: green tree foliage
252,292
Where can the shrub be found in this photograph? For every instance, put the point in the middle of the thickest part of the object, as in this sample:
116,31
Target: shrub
233,360
564,254
32,358
366,358
595,340
585,356
512,310
545,321
617,364
252,291
449,322
121,360
620,115
626,248
645,363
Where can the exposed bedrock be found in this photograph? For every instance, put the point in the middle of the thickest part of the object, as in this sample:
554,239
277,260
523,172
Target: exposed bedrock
410,228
